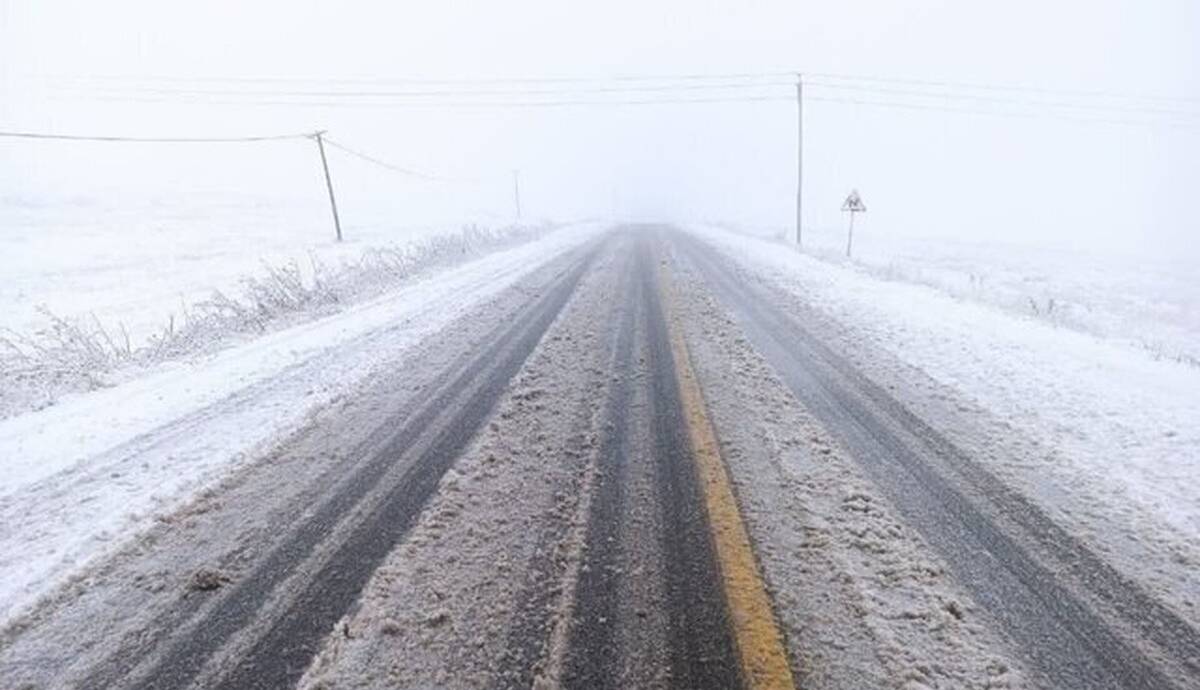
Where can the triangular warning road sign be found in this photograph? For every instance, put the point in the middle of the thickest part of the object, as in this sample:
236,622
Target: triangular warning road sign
854,203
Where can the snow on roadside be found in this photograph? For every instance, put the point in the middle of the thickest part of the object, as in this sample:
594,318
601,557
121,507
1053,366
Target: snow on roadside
1117,429
1148,302
74,350
136,263
78,474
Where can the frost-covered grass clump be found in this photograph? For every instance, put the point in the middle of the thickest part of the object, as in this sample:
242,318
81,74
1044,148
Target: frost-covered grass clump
80,352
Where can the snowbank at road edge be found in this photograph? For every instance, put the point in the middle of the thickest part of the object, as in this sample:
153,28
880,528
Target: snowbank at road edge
79,475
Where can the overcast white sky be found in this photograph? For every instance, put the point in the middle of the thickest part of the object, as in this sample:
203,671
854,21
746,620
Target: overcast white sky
922,172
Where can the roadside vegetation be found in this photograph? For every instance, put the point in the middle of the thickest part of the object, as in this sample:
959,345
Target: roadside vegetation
80,353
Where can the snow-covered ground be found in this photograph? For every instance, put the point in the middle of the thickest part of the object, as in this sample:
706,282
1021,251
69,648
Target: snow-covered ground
93,294
138,264
101,464
1115,425
1146,301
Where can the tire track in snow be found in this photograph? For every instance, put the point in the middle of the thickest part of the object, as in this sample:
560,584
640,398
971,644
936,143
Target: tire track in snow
287,614
1051,623
645,467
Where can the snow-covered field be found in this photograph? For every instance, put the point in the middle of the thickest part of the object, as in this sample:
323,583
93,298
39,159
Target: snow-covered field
1117,443
1147,302
137,266
93,294
96,466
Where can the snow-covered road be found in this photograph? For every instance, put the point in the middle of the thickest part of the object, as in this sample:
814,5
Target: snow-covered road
643,458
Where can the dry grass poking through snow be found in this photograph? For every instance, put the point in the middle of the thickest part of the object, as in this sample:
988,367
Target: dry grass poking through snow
79,353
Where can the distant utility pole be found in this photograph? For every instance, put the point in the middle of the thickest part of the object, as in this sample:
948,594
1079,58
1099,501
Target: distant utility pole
517,191
799,152
337,224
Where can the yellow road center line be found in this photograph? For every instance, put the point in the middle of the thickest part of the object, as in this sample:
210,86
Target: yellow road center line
759,640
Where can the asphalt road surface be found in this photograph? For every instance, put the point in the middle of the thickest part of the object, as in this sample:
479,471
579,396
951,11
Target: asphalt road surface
639,467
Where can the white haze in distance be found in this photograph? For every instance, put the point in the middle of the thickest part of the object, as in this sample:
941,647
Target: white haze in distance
1041,180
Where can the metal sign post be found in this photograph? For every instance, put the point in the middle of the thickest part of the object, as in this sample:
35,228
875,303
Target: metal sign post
516,175
853,204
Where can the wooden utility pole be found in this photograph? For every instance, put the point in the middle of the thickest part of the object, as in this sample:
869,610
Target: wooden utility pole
517,191
337,223
799,153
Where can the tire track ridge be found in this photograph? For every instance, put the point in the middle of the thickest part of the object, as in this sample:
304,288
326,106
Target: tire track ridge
535,647
703,650
296,633
587,659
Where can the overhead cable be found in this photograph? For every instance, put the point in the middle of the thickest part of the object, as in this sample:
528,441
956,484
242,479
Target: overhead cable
151,140
371,159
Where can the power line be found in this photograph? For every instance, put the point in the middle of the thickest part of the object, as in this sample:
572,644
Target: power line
524,104
1003,113
554,97
719,76
978,86
151,140
371,159
947,95
642,90
666,78
277,137
461,104
426,93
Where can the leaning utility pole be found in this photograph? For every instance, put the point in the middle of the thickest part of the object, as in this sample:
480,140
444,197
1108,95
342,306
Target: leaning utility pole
517,191
337,224
799,151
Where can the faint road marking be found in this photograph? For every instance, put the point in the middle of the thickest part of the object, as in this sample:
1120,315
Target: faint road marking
760,646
